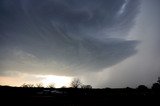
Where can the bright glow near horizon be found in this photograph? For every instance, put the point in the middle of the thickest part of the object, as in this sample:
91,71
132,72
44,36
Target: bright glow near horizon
58,81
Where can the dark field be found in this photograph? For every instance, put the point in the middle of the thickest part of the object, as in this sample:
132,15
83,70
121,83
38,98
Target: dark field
76,97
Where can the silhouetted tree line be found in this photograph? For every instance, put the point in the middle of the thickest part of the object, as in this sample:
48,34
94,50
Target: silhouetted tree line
76,94
76,83
39,85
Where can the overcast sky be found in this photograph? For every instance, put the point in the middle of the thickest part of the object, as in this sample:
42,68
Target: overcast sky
105,43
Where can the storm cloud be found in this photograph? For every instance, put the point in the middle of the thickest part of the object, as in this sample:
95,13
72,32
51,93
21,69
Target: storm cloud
65,36
143,68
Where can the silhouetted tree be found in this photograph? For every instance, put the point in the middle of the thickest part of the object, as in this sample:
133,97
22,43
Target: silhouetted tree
27,85
156,86
24,85
158,80
51,85
142,87
86,86
75,83
39,85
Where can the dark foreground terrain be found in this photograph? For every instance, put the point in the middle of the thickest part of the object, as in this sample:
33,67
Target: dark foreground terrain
76,97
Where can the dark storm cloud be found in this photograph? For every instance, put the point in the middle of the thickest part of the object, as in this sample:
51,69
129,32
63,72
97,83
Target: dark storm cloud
87,35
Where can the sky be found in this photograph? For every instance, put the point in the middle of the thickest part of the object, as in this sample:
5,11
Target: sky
105,43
